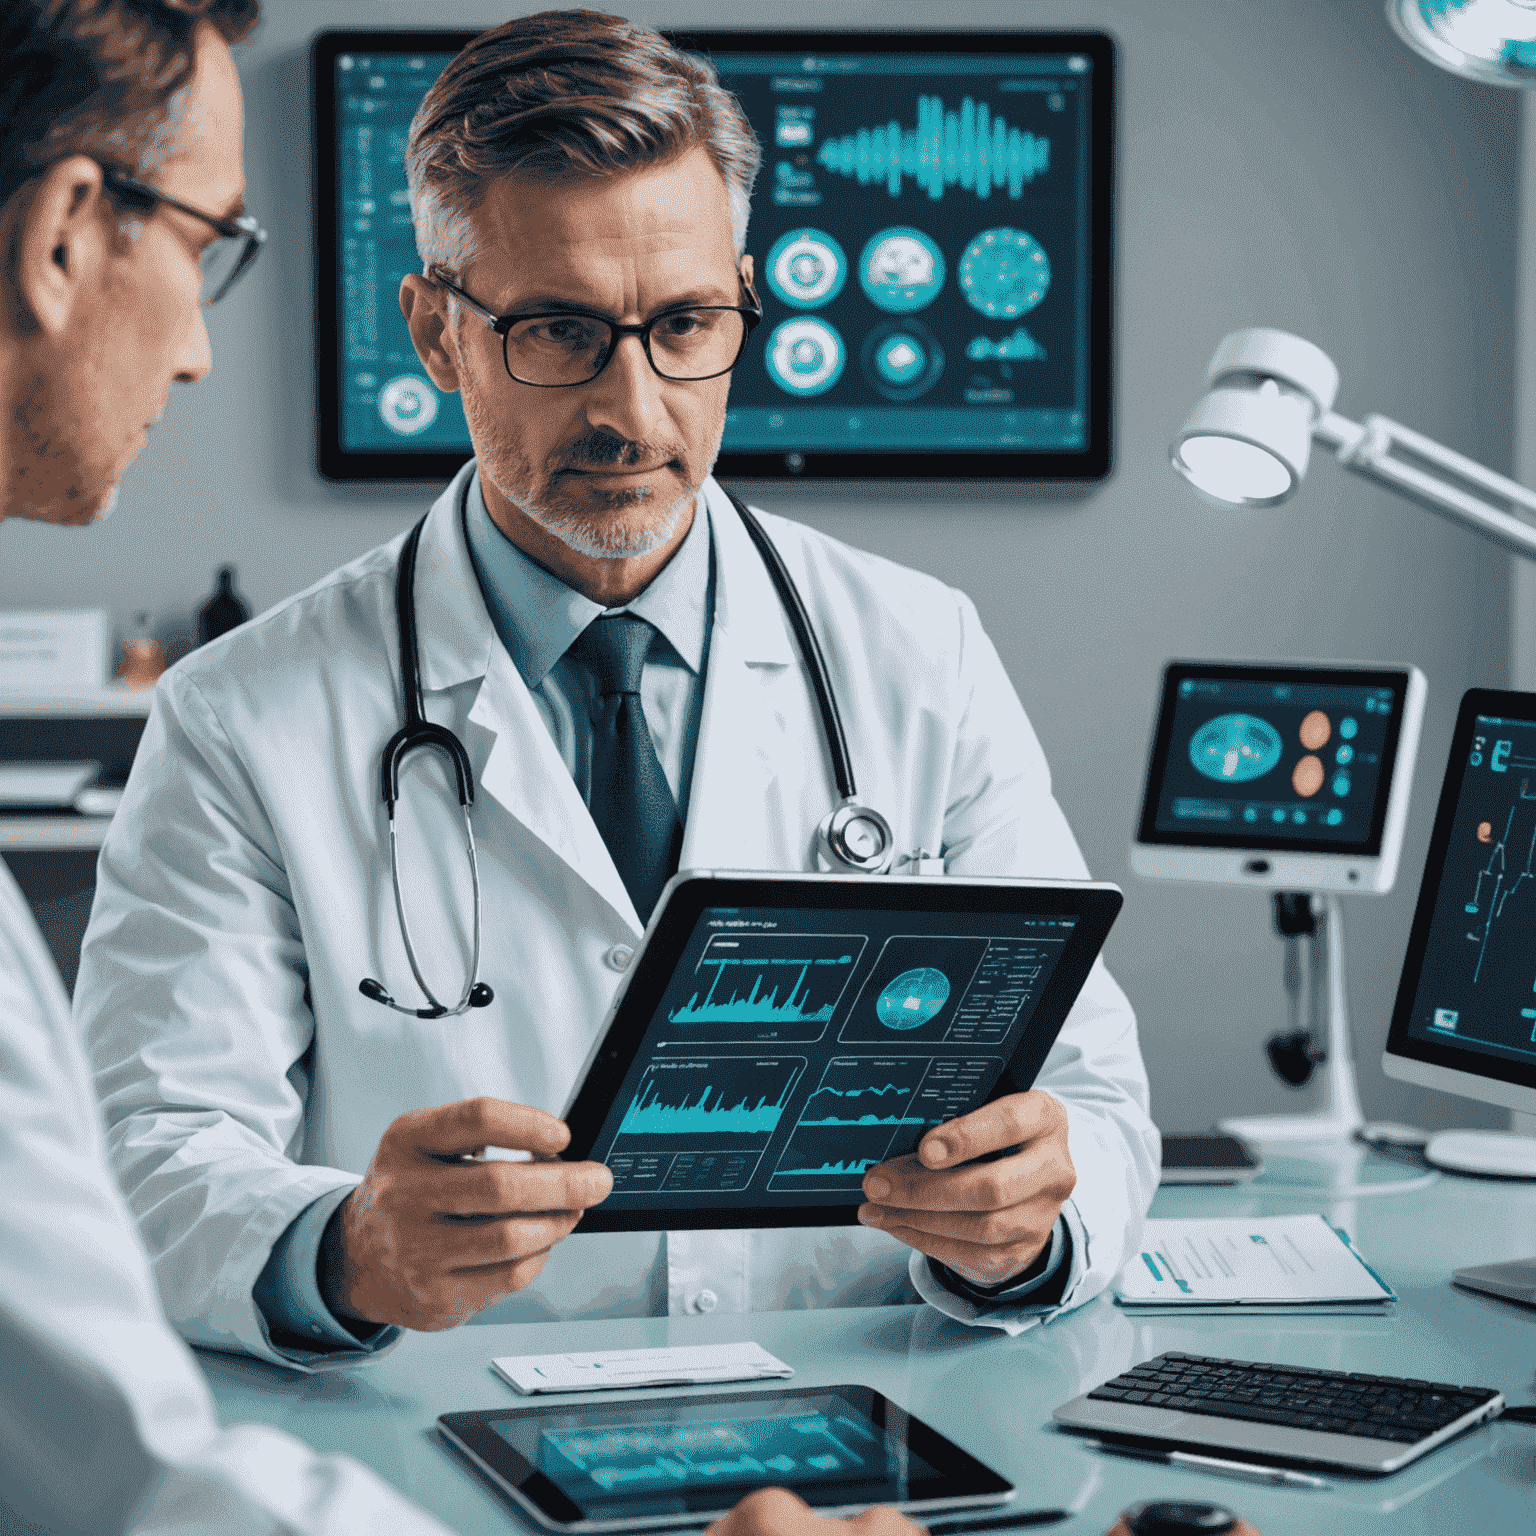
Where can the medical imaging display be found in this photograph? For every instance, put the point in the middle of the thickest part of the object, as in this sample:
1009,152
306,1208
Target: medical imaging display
1290,759
794,1050
1476,987
825,1449
930,238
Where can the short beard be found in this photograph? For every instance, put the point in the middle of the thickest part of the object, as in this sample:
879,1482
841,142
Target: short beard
599,536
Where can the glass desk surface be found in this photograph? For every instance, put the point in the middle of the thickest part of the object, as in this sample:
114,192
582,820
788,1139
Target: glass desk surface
994,1395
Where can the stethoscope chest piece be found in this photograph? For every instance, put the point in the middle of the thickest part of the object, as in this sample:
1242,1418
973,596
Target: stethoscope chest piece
856,837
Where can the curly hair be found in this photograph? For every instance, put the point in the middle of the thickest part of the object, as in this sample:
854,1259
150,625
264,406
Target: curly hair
99,77
562,94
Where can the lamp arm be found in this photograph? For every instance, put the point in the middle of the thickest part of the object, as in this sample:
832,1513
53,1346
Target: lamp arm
1455,486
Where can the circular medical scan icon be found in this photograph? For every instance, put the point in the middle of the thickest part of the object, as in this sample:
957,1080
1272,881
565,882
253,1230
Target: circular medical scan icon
902,359
408,405
806,268
913,998
1234,749
1004,272
901,270
805,357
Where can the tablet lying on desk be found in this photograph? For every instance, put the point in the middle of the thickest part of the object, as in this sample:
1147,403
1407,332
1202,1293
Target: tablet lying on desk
779,1035
671,1461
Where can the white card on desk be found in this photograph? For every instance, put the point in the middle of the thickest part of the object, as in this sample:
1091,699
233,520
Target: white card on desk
1247,1260
667,1367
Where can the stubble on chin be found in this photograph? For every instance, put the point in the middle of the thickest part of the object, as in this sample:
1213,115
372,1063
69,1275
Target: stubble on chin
52,480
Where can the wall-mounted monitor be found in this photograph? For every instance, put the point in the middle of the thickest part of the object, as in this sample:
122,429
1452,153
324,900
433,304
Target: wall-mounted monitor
1280,775
932,234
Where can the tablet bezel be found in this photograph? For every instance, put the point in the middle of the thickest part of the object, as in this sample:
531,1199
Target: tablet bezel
470,1433
1094,904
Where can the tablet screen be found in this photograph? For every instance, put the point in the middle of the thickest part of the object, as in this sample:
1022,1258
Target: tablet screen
628,1463
793,1049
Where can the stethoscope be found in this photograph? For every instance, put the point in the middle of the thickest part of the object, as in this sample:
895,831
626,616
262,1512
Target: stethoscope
852,836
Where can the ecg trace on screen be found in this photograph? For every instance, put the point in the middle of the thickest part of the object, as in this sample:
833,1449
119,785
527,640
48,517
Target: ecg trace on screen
969,149
1499,880
707,1115
844,1106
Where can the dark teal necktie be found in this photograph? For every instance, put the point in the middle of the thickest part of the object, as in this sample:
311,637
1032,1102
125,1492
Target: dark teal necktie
630,799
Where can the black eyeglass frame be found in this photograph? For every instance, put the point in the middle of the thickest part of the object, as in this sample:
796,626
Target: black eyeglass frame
238,227
502,325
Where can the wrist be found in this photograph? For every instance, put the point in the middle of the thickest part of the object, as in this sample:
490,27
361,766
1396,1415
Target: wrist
331,1275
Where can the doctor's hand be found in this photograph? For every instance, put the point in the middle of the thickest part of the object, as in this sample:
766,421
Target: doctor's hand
990,1221
778,1512
432,1236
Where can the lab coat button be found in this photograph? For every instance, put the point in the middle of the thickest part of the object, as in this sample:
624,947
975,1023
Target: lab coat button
619,956
705,1301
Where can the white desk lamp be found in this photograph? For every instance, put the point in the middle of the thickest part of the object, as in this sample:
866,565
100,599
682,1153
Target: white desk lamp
1247,444
1489,40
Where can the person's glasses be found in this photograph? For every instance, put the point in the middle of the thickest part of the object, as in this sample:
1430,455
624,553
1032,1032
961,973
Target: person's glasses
560,348
225,259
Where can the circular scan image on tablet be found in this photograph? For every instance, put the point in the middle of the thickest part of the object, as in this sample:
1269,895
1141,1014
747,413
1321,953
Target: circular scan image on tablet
912,998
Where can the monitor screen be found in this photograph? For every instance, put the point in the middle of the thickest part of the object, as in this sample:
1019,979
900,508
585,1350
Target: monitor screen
930,231
1467,998
1274,758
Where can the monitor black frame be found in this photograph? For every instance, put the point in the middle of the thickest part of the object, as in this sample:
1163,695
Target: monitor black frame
1093,463
1175,672
1499,703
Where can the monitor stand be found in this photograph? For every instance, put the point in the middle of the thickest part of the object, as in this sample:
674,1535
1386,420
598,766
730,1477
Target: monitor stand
1507,1154
1338,1116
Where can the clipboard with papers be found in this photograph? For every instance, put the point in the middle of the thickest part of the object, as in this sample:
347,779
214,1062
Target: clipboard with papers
1249,1265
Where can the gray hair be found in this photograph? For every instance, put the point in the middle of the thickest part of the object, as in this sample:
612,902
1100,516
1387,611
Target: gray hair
565,94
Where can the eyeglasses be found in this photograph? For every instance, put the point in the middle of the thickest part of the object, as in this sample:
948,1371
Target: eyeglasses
223,261
561,348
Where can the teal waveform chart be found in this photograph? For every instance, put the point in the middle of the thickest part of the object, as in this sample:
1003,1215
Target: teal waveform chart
780,986
969,149
857,1112
859,1106
697,1101
855,1169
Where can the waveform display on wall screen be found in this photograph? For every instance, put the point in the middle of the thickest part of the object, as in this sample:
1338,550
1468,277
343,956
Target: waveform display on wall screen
970,149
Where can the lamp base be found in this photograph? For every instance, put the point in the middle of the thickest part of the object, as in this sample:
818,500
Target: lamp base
1272,1128
1501,1154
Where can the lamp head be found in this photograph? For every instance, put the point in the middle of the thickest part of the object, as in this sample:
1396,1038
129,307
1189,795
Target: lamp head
1248,439
1489,40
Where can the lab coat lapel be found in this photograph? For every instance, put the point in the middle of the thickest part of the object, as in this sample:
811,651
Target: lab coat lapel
739,813
524,772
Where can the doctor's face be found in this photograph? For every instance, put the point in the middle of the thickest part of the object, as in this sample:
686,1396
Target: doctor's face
610,467
114,298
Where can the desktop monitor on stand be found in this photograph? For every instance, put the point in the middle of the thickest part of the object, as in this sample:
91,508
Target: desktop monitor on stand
1287,777
1465,1019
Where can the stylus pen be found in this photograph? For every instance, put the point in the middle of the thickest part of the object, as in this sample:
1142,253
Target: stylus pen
1253,1471
999,1522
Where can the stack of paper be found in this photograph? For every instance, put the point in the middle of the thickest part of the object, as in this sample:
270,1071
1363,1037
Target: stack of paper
1249,1264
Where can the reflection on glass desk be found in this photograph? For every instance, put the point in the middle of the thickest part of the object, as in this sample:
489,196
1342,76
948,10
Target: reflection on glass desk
994,1395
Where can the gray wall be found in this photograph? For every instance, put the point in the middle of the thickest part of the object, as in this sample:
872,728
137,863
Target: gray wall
1284,163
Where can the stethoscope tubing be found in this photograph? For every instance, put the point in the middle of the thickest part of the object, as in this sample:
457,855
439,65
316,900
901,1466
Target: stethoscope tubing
833,835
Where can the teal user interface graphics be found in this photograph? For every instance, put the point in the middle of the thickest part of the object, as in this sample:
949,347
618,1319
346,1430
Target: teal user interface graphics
793,1051
923,233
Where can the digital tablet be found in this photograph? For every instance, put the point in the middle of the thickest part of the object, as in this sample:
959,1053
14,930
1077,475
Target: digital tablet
669,1461
778,1035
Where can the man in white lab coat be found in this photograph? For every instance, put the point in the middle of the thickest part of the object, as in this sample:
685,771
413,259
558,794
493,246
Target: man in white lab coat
106,1425
299,1157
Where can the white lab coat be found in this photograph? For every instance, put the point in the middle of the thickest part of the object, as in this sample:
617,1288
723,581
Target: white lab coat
244,891
106,1424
